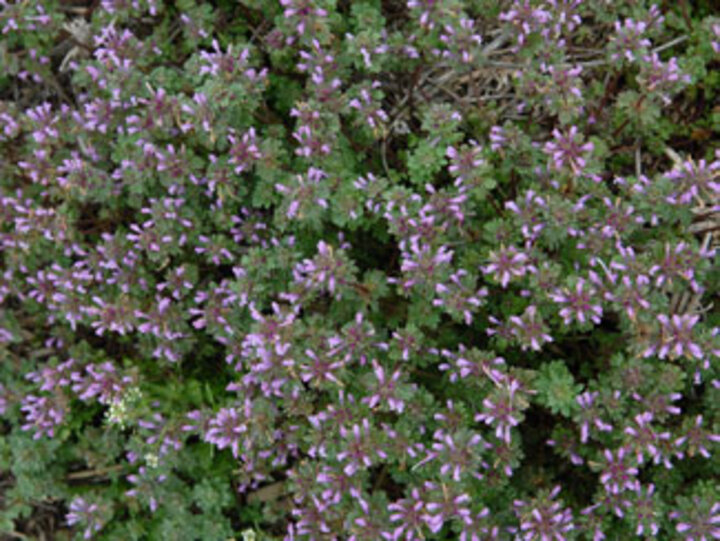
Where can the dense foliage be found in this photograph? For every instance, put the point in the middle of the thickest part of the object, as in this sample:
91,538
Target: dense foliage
359,270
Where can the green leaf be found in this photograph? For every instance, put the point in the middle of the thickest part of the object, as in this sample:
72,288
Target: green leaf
556,388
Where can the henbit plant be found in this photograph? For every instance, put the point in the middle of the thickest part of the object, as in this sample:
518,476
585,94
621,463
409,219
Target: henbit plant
371,270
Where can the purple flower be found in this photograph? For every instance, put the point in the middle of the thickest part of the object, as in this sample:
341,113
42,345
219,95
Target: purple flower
644,510
193,28
508,263
217,306
698,521
410,514
458,454
628,42
694,181
370,525
457,298
696,439
715,40
146,486
479,528
659,404
679,263
43,414
567,151
159,112
644,439
663,78
338,484
446,504
43,123
461,41
618,473
51,378
498,138
161,434
503,408
356,341
319,370
215,249
370,109
529,214
225,430
384,391
629,296
589,415
567,446
580,303
428,10
544,518
229,65
423,263
302,14
244,151
607,502
529,330
118,317
87,515
313,518
305,193
471,363
101,382
357,448
308,133
405,343
465,162
156,319
325,271
173,162
565,93
3,399
525,19
676,338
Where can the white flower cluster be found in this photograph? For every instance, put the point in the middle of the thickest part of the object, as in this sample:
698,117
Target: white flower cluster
152,460
119,411
248,535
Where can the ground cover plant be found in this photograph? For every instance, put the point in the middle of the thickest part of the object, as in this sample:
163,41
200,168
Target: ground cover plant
359,270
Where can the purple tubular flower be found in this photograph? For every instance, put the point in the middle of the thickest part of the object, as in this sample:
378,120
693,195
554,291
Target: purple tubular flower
696,439
85,514
645,440
676,338
700,522
409,513
589,415
52,377
101,382
529,329
628,42
567,151
544,518
244,151
384,392
508,263
43,414
225,430
580,304
502,409
357,453
644,511
618,474
301,13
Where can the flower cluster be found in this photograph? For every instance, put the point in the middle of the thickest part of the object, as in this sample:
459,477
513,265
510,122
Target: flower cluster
310,269
87,515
